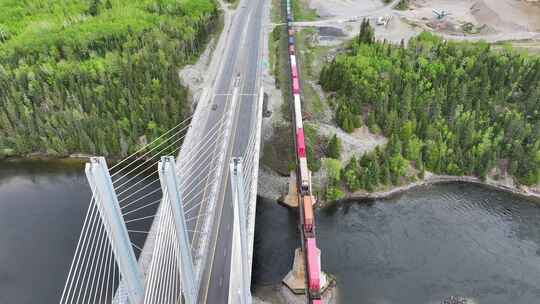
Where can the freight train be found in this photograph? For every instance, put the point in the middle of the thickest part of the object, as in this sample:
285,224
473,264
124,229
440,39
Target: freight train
307,221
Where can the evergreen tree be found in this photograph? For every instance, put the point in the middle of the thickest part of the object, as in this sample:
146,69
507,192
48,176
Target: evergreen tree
94,7
334,147
367,34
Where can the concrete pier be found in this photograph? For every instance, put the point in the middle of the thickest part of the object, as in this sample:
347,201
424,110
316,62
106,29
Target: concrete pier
295,280
291,198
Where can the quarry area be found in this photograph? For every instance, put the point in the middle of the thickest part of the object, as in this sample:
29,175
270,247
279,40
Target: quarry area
489,20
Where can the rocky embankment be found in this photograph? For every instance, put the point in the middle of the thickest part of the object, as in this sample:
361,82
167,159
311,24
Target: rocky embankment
431,179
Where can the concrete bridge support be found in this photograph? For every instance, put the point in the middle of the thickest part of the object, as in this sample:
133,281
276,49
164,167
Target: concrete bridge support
171,191
100,181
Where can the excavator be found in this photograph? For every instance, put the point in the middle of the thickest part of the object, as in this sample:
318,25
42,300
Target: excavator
440,14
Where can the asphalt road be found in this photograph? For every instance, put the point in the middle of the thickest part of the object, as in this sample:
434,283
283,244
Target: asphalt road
241,59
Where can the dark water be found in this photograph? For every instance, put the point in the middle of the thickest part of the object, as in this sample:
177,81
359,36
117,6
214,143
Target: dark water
41,215
42,209
420,247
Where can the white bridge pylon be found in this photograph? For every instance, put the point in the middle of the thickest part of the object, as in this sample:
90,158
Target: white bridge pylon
98,176
173,196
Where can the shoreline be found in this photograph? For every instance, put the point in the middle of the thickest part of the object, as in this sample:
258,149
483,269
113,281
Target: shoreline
38,157
432,179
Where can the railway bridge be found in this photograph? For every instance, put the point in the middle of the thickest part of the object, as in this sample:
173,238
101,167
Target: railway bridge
174,221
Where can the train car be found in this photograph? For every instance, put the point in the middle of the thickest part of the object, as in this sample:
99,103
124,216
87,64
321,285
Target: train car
292,58
294,69
314,281
295,86
309,222
291,50
304,176
300,143
291,40
298,112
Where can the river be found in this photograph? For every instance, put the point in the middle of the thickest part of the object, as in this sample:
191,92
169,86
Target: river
419,247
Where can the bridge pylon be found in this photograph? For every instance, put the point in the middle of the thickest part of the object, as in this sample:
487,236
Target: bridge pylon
171,191
240,256
100,181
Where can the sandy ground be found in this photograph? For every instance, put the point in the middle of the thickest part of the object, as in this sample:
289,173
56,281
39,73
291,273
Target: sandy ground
356,143
341,8
500,16
490,20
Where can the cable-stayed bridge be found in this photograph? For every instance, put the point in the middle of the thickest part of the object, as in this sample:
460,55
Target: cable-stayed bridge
174,222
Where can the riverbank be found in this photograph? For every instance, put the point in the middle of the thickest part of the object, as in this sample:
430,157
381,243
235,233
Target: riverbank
432,179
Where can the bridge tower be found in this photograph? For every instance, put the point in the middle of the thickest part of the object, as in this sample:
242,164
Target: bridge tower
100,181
171,190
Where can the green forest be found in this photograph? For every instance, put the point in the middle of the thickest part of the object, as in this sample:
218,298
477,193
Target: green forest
458,108
94,76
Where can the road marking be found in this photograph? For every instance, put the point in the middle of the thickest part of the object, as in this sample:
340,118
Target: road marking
221,198
234,129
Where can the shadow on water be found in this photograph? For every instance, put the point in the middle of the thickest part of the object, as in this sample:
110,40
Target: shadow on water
276,238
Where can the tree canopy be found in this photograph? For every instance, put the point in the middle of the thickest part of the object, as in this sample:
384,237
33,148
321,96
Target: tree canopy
447,107
93,76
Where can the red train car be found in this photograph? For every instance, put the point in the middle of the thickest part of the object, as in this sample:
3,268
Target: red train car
303,171
294,69
314,283
296,86
300,144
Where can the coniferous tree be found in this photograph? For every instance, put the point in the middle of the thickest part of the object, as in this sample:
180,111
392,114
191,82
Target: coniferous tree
334,147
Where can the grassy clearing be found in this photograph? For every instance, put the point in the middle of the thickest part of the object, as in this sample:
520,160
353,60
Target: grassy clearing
302,12
275,11
281,143
311,58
